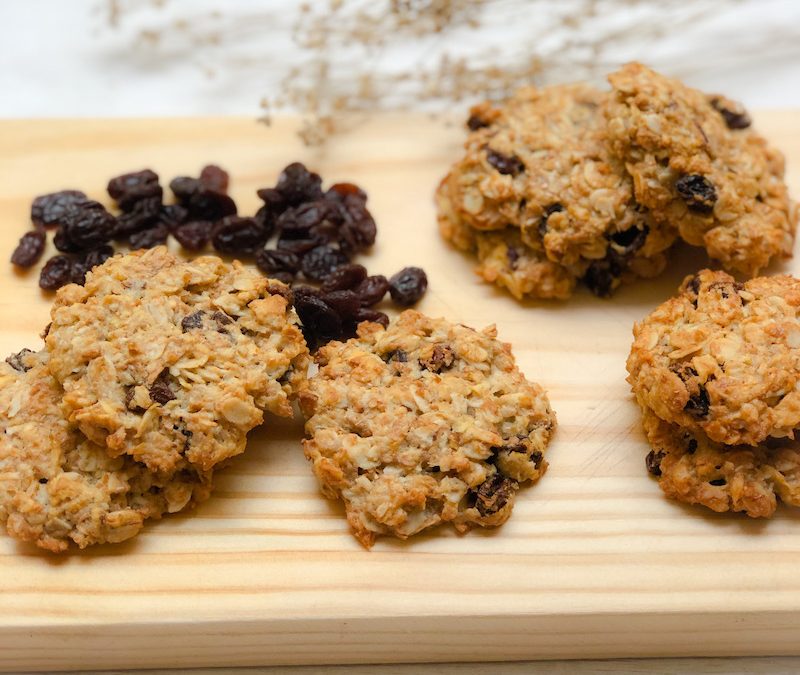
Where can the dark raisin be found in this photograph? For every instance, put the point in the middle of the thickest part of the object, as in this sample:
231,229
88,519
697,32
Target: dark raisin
408,285
130,188
691,447
320,322
734,114
285,277
184,187
513,256
297,246
653,462
298,221
89,261
474,123
441,358
345,303
194,235
160,390
345,277
236,234
57,272
43,481
222,318
188,436
192,321
339,191
142,215
718,482
17,361
214,178
493,494
357,229
536,458
30,249
365,314
698,192
320,261
508,166
630,240
698,404
271,262
694,284
372,289
155,236
397,355
600,277
48,210
548,211
85,225
173,215
274,206
297,184
207,204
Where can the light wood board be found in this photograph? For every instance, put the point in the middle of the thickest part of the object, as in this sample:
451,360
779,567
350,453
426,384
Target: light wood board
593,563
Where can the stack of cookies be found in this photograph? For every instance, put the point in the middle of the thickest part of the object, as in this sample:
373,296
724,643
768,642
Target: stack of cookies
571,183
716,372
151,376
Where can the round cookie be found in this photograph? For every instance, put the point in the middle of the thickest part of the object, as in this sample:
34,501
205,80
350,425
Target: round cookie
539,164
692,469
723,358
56,487
167,360
422,423
697,165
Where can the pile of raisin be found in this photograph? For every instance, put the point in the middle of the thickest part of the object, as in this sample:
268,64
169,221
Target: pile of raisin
314,235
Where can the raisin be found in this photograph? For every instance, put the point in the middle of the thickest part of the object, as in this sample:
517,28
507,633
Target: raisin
440,359
274,206
297,246
57,272
548,211
193,235
698,192
698,404
653,462
85,225
408,285
160,390
184,187
297,184
207,204
357,229
630,240
215,178
536,458
345,277
691,447
30,249
285,277
345,303
16,361
155,236
718,482
272,261
320,261
372,289
601,275
298,221
508,166
173,215
142,215
320,322
338,191
236,234
474,123
48,210
365,314
734,114
493,494
513,257
131,188
222,318
192,321
89,261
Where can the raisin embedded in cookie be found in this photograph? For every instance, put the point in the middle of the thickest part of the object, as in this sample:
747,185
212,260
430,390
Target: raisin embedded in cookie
693,469
167,360
56,487
723,358
421,423
696,164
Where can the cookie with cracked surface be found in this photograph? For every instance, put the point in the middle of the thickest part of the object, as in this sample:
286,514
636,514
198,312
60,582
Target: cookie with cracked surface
165,360
693,469
58,488
698,165
421,423
723,358
539,164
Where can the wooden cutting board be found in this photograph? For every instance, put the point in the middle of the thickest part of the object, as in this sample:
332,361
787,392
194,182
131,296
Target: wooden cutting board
593,563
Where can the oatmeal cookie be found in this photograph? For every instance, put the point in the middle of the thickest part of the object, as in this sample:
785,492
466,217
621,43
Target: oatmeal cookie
723,358
57,487
538,164
421,423
693,469
167,360
697,165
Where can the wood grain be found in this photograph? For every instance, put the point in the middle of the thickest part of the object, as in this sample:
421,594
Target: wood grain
593,563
